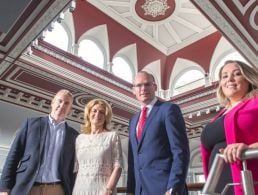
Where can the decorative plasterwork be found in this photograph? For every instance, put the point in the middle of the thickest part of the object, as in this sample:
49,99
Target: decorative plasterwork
201,106
193,97
79,78
160,34
155,8
40,24
43,105
236,21
77,65
228,30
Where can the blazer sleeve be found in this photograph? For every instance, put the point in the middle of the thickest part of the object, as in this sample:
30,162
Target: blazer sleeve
130,172
205,160
179,146
13,158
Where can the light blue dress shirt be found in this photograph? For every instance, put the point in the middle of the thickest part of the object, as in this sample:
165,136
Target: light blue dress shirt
49,169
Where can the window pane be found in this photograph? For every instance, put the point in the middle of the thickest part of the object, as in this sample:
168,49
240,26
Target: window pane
122,69
90,52
57,37
189,80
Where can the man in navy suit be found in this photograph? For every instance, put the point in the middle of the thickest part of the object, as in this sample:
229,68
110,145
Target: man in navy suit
157,160
41,158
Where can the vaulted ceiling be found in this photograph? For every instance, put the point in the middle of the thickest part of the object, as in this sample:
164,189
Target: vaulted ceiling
31,80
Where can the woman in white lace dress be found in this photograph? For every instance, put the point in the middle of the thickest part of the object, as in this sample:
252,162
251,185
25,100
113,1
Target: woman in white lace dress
98,152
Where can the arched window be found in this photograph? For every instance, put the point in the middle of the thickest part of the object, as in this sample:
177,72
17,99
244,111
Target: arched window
188,81
122,69
232,56
57,37
91,52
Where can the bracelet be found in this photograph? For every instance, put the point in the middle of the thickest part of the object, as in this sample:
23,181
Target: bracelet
108,190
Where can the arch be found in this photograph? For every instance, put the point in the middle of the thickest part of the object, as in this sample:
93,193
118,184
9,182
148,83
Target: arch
92,51
154,69
129,54
58,36
99,35
125,72
180,68
68,24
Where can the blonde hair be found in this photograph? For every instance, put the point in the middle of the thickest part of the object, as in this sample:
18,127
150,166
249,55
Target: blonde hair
249,73
86,128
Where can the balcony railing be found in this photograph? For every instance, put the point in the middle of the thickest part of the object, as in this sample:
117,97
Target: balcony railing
216,170
190,186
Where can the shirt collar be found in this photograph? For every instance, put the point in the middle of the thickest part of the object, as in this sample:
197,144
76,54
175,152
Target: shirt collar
151,104
52,121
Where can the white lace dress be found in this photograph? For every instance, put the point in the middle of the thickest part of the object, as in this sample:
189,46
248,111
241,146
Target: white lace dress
96,156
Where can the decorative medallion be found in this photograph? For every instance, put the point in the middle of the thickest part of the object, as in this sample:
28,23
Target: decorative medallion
155,10
155,7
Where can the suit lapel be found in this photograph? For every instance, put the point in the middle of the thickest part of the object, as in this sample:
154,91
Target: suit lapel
43,133
134,126
65,143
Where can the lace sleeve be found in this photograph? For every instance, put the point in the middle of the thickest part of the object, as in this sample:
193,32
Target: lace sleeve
117,151
76,163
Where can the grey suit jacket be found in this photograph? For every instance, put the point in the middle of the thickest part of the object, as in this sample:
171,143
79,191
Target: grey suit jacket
24,158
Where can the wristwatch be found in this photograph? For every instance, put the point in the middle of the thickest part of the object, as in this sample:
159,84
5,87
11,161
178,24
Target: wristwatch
172,192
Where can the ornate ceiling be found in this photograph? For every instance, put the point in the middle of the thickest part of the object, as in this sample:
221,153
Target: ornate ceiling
237,20
167,25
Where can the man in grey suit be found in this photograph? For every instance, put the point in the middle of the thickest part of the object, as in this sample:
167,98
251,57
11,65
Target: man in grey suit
41,158
158,153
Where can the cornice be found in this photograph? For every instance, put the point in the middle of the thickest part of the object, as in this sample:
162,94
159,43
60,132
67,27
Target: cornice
57,70
228,30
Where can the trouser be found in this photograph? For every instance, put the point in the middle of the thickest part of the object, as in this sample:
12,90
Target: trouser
46,189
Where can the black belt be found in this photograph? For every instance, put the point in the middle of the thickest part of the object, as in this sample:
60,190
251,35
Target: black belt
47,184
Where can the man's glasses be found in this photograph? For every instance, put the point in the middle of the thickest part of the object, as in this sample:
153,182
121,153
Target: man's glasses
145,85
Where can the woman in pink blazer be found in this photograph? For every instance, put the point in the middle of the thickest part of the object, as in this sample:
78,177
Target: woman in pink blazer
235,129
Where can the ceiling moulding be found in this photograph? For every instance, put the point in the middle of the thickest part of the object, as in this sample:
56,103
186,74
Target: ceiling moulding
43,105
32,33
132,21
55,69
235,38
80,66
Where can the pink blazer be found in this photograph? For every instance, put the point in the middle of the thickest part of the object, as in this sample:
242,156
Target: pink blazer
241,126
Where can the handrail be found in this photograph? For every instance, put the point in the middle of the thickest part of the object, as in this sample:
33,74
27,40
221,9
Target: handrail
216,170
190,186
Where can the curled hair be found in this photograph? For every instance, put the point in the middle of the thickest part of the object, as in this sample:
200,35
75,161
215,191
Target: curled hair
86,128
249,73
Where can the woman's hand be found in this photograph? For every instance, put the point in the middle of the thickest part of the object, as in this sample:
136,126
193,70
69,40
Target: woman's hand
107,191
4,193
232,152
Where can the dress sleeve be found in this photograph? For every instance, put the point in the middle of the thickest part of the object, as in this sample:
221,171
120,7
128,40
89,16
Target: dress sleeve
117,151
205,160
76,163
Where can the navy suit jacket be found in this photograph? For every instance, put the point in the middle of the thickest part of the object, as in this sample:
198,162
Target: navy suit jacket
159,161
24,158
